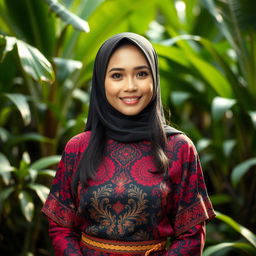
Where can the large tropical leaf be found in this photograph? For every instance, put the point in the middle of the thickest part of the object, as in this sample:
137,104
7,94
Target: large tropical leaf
41,190
220,106
246,233
27,205
172,53
45,162
32,60
67,16
34,63
208,72
212,75
15,140
241,169
245,247
66,67
30,21
235,18
83,9
21,103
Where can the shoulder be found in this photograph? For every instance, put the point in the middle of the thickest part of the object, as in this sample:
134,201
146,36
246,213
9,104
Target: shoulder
180,142
78,143
180,138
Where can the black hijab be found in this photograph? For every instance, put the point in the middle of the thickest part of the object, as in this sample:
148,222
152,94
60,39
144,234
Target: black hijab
116,125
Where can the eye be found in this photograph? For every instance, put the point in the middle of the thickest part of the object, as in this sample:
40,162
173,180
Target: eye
142,74
116,76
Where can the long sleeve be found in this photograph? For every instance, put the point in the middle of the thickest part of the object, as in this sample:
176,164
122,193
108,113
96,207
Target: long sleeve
65,240
189,243
61,206
190,204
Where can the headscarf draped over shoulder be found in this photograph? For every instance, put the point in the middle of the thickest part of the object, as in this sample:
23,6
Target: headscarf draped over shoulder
118,126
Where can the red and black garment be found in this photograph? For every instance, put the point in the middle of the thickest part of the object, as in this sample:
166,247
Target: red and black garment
128,201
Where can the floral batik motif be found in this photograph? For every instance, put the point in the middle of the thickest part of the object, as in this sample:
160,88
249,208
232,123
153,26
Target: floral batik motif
129,200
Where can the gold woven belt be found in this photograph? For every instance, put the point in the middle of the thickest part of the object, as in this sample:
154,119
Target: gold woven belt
139,247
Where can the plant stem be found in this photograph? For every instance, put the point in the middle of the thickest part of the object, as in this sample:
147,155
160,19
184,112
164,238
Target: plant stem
26,243
37,225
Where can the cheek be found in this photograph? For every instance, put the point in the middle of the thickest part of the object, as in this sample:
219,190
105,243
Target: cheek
111,90
148,89
108,88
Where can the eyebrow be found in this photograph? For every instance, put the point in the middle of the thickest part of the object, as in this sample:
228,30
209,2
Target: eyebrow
122,69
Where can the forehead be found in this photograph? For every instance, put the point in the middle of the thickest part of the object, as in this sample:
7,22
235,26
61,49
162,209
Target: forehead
128,54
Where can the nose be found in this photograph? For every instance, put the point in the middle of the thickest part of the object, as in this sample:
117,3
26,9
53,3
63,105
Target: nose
131,85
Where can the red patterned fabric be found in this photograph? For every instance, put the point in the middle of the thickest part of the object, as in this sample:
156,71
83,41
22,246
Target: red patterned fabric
128,200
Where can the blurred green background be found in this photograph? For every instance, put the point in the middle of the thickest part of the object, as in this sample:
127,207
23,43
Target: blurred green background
207,54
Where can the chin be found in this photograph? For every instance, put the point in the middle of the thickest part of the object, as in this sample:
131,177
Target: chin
130,113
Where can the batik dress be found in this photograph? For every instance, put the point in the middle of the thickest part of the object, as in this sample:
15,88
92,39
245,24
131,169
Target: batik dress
128,200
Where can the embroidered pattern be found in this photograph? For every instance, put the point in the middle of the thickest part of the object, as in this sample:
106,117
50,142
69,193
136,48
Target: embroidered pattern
135,210
125,154
120,181
105,172
128,201
100,206
144,172
117,218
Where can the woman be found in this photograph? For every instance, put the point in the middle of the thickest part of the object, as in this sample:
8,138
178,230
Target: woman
129,181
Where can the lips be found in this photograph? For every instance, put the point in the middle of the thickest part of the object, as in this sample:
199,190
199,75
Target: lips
132,100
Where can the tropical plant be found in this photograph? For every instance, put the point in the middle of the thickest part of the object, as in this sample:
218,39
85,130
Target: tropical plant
45,62
246,245
21,193
208,77
209,83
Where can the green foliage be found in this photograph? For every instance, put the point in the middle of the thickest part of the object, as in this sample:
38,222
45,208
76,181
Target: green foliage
32,61
249,248
21,103
241,169
220,106
239,228
21,181
212,96
207,62
241,247
68,16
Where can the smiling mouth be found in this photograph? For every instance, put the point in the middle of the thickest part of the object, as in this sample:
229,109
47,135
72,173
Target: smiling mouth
130,100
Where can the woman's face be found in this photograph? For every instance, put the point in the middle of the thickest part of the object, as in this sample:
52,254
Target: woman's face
128,80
